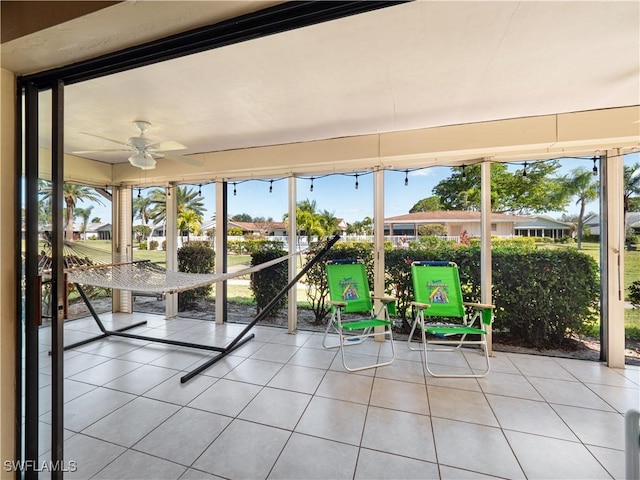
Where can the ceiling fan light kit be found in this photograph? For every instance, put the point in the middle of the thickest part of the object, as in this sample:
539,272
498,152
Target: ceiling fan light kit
143,160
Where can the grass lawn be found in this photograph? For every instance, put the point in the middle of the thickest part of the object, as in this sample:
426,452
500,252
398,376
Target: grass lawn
631,259
632,323
158,256
242,294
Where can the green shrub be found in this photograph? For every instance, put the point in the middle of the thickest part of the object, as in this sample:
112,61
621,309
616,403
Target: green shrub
268,282
252,245
528,243
143,245
429,242
543,296
432,229
195,259
634,294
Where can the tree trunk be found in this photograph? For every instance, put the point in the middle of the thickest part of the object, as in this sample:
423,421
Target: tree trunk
69,232
580,224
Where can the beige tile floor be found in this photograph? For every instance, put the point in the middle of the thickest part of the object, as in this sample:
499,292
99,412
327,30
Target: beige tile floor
283,407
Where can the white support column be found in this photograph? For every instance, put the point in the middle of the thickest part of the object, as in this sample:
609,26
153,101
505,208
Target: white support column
292,323
378,239
485,250
612,258
220,251
171,232
122,300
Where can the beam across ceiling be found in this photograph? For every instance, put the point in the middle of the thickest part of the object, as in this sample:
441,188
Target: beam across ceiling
269,21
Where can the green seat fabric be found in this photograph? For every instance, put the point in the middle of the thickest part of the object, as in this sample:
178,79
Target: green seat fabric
349,294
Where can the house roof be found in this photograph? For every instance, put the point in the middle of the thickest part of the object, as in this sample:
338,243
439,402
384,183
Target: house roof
95,227
541,221
257,226
451,216
632,219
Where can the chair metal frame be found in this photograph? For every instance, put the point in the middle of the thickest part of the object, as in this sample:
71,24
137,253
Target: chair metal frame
472,322
355,332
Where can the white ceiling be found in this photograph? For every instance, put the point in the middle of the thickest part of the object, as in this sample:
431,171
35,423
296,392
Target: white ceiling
416,65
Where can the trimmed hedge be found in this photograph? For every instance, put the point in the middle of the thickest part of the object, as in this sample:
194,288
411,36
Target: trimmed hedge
267,283
252,245
541,296
195,258
634,294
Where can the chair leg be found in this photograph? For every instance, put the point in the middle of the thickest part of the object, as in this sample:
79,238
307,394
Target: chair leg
386,332
483,346
413,329
419,323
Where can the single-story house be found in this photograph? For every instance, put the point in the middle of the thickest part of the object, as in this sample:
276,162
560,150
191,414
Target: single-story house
632,220
454,222
542,226
98,231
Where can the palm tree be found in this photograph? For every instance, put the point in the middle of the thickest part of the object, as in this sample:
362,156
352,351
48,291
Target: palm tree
187,199
44,204
140,207
72,194
361,227
307,219
583,185
329,223
190,221
84,214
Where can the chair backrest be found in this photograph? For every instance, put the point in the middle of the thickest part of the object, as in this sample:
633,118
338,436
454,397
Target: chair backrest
438,284
347,280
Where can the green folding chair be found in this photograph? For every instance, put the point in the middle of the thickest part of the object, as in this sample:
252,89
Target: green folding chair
438,296
349,293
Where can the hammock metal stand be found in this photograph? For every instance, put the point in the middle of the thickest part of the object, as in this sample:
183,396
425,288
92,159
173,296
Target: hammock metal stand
236,343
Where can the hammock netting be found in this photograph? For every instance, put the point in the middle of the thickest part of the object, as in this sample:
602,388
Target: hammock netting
90,266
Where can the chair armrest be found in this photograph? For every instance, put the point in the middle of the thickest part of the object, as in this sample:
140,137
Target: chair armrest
338,304
420,305
479,305
385,299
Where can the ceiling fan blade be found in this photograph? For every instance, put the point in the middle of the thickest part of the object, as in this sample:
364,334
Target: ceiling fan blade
179,158
166,146
80,152
109,139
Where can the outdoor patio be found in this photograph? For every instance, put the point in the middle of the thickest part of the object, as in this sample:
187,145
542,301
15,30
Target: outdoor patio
283,407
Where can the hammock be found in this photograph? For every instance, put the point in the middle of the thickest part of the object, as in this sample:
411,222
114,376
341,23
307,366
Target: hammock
86,265
144,276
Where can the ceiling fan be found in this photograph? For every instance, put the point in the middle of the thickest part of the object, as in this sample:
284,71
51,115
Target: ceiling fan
144,152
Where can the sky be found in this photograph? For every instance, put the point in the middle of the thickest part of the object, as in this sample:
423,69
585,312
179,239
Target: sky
338,195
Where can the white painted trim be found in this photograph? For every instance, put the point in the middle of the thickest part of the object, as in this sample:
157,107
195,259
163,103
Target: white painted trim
220,252
171,299
485,249
293,293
